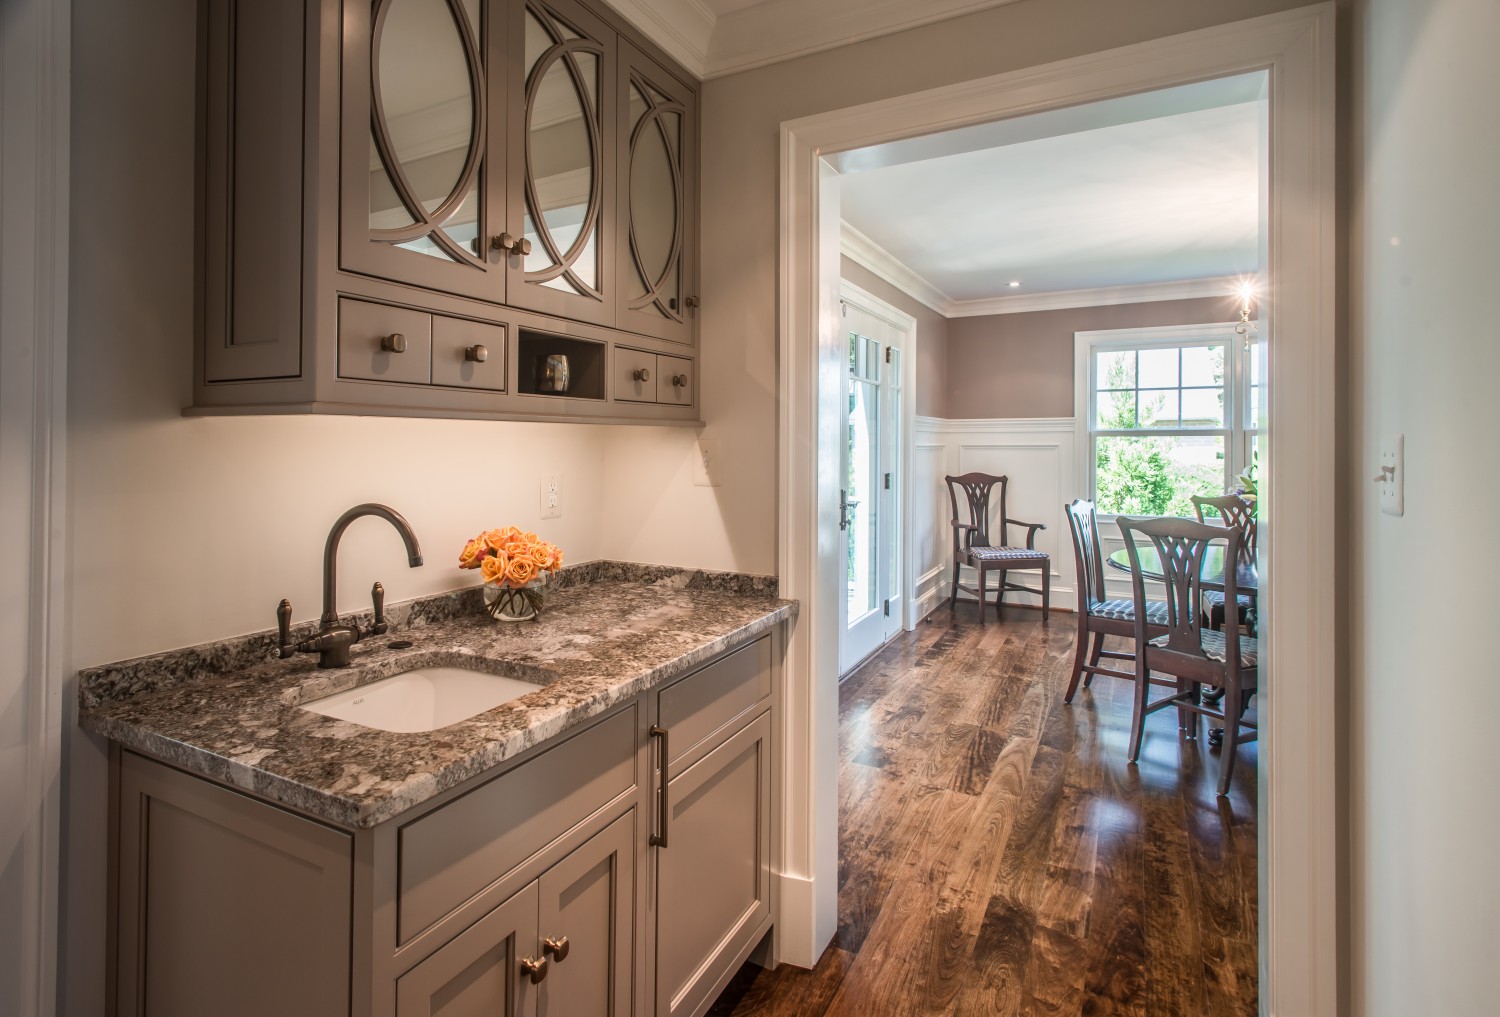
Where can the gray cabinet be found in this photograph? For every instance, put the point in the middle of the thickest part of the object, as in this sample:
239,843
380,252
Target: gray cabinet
713,847
629,857
505,168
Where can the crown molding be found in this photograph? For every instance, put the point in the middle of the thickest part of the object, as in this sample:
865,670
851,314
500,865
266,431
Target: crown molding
767,33
1100,296
861,250
681,27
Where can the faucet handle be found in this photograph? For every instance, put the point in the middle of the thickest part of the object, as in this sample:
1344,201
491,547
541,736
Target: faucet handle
284,628
377,597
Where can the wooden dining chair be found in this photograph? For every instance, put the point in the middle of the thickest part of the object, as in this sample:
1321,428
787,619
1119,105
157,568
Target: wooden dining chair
1098,615
972,546
1193,655
1232,511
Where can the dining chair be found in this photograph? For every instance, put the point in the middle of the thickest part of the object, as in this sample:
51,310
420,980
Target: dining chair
1194,656
1098,615
973,548
1233,511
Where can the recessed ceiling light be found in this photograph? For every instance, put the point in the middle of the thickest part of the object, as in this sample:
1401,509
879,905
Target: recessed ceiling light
1014,283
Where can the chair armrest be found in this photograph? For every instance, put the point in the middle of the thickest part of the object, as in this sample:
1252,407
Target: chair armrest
1031,529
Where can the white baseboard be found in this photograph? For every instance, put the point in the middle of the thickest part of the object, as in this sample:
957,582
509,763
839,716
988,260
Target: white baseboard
797,936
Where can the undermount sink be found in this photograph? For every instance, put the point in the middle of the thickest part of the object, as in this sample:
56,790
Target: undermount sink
423,699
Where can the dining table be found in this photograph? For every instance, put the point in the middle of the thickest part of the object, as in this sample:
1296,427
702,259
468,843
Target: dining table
1246,576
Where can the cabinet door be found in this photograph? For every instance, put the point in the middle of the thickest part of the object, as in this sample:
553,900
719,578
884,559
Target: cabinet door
586,920
713,873
657,199
480,972
562,162
216,892
422,179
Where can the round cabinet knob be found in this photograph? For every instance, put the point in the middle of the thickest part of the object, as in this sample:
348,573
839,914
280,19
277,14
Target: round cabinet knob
557,948
476,354
641,374
523,247
535,968
679,381
513,245
394,343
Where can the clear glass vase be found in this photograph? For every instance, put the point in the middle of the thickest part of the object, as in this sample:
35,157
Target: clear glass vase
505,602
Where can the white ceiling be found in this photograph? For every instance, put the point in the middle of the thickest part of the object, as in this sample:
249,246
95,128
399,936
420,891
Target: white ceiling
717,37
1141,193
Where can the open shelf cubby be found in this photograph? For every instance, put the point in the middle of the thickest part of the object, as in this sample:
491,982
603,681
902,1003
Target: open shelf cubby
585,363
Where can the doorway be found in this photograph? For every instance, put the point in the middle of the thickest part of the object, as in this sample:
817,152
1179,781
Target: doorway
872,477
1298,799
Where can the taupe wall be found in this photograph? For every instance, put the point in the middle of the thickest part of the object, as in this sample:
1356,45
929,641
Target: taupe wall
932,336
1021,365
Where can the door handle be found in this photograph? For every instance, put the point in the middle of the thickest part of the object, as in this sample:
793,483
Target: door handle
660,839
843,509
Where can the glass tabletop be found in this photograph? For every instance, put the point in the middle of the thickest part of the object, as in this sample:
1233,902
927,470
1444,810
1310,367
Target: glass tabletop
1247,579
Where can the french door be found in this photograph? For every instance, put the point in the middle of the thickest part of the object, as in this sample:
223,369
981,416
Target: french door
869,509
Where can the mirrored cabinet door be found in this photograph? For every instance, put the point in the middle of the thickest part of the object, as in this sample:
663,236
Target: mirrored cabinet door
422,176
562,163
657,200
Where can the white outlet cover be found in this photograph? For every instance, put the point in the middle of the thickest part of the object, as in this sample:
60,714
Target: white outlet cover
1393,469
707,462
552,496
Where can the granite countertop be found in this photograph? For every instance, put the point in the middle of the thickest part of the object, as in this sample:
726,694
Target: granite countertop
231,711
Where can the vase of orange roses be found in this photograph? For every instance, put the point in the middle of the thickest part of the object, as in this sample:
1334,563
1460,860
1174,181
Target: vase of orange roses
515,566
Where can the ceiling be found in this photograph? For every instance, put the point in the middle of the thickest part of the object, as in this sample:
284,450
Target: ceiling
1146,197
717,37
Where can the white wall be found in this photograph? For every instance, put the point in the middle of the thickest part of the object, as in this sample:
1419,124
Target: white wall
1424,359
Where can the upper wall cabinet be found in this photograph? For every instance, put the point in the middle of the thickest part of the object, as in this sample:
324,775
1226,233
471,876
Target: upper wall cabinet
418,206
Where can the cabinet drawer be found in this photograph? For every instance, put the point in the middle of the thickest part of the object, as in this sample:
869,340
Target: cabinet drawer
456,342
635,375
451,854
694,708
363,326
676,384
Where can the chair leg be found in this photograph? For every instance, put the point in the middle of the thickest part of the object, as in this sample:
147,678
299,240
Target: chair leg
1232,698
1138,714
1000,596
1078,657
1046,593
983,592
1187,720
1098,652
953,594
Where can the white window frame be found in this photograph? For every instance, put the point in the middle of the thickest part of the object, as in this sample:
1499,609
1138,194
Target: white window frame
1236,431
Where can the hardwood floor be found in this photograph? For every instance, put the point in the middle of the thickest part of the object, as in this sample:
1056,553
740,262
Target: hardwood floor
999,856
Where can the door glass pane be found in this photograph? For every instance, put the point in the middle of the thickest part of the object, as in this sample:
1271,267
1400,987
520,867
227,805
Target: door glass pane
863,454
386,209
426,97
653,197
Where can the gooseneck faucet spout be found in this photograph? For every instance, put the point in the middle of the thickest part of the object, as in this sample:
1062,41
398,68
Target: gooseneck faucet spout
331,551
332,640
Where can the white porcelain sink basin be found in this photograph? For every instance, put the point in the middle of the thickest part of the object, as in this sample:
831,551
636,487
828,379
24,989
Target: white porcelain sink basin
424,699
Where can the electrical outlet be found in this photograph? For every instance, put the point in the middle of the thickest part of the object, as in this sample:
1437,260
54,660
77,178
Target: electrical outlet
1392,476
552,496
706,462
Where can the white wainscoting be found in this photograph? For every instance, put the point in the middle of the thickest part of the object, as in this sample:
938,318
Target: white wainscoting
1037,454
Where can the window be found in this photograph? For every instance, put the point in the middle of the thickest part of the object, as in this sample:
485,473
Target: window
1168,413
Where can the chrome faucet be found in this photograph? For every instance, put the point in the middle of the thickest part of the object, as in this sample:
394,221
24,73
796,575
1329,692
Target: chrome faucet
332,640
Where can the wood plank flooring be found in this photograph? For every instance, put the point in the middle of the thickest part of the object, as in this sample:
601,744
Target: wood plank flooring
999,856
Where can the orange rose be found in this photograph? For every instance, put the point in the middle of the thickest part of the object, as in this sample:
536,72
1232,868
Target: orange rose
557,557
542,555
494,568
518,549
494,539
521,571
466,558
531,538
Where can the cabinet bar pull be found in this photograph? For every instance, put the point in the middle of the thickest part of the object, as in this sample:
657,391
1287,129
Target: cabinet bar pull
535,967
660,839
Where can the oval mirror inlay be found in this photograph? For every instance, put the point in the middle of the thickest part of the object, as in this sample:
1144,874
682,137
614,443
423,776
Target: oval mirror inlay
656,201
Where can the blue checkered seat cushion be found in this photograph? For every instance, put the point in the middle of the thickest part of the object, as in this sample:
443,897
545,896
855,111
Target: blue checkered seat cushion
1215,599
1007,554
1124,610
1215,648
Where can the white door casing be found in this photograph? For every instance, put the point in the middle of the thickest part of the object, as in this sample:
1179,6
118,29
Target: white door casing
1298,764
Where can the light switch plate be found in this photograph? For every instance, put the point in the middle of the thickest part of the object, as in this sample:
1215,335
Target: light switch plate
552,496
1393,473
707,455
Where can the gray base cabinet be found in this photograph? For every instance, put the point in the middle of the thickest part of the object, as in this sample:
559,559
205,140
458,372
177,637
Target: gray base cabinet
620,870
